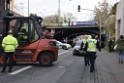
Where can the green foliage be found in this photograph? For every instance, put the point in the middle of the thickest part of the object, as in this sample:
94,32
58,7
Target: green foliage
106,16
113,10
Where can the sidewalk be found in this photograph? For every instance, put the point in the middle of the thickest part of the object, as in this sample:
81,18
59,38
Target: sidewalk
108,70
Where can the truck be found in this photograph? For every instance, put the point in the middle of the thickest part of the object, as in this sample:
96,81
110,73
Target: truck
36,47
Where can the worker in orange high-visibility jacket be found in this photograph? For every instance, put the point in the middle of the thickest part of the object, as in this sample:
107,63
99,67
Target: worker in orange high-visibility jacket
9,45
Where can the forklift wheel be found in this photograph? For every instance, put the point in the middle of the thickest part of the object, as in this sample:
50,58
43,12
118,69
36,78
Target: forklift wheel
45,59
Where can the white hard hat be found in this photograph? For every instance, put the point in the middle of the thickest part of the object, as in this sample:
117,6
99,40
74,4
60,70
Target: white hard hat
10,31
89,37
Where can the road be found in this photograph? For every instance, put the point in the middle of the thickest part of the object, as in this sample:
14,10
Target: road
68,69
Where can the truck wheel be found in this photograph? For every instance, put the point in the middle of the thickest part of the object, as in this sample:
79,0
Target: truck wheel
64,48
45,59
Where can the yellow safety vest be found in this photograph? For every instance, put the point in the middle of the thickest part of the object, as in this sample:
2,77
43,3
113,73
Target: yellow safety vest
91,45
9,43
24,36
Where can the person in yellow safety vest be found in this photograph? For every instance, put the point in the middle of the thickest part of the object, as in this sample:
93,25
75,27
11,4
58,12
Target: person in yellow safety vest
9,45
91,47
23,36
83,47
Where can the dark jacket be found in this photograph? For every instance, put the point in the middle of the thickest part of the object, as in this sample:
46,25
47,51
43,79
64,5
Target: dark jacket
120,44
83,47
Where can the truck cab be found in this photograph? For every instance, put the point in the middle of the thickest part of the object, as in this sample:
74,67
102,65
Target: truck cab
33,46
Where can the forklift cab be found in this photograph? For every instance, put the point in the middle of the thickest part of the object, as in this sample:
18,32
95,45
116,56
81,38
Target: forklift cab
24,29
25,32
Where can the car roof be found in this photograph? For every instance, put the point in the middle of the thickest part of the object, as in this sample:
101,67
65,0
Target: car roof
79,41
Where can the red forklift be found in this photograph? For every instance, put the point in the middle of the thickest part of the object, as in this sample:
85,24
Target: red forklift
36,47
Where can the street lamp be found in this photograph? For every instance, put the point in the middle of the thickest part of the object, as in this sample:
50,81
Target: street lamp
21,7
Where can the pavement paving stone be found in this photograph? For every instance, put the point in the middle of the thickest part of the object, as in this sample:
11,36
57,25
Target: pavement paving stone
108,70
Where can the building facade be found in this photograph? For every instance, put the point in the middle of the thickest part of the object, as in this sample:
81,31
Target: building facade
120,19
2,14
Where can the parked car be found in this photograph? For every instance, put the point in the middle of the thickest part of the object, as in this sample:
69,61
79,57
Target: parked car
63,46
76,49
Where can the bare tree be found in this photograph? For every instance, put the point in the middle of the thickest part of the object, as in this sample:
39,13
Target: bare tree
53,19
101,12
69,17
105,14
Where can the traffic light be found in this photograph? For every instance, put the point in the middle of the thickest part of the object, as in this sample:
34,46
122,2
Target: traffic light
79,8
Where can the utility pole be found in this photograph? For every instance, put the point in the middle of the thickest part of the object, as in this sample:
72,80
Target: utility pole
28,8
59,12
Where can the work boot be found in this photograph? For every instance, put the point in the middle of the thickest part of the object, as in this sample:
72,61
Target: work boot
3,71
119,61
87,64
9,70
91,71
122,61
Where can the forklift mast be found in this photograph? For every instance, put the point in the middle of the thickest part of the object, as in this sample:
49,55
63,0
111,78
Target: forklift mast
8,24
38,24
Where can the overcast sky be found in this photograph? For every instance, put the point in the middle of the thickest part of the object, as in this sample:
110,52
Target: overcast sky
50,7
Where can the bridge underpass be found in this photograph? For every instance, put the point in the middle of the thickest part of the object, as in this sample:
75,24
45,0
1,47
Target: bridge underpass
70,32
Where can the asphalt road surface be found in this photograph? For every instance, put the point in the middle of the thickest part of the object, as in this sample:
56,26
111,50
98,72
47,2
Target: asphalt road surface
68,69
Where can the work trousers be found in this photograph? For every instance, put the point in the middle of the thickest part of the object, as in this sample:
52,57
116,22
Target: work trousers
86,59
92,58
120,55
8,60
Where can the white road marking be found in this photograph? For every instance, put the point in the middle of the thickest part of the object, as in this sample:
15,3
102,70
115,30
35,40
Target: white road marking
27,67
20,70
63,53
